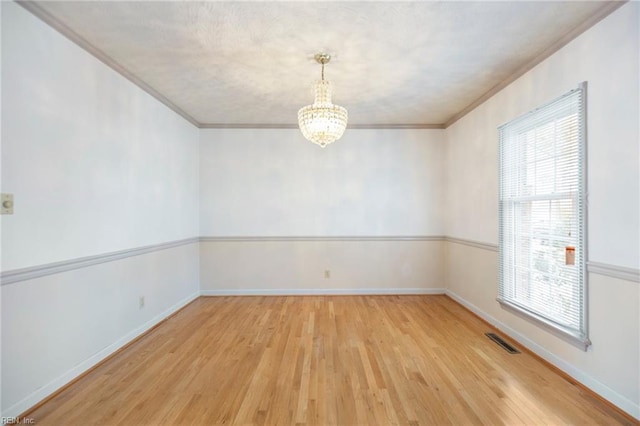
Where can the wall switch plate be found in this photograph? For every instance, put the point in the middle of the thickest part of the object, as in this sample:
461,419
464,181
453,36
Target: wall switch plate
327,273
6,204
141,302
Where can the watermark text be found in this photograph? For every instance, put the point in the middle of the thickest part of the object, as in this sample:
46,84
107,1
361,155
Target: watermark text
17,420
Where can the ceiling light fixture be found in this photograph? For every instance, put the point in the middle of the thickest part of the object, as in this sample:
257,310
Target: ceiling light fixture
322,122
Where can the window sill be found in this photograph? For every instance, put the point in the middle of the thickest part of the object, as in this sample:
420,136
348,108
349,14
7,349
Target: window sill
580,341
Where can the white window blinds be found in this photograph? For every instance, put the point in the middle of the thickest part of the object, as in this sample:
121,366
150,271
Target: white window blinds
542,215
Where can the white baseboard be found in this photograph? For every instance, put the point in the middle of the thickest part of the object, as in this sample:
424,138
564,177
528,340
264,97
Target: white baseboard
48,389
321,291
582,377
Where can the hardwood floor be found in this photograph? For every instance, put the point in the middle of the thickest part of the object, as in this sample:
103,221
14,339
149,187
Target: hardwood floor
373,360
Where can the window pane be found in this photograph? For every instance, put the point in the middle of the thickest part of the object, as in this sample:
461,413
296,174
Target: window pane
541,213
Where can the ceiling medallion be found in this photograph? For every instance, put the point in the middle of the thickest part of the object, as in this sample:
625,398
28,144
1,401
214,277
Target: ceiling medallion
322,122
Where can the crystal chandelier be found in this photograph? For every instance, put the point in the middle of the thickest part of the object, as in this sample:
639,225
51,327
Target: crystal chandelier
322,122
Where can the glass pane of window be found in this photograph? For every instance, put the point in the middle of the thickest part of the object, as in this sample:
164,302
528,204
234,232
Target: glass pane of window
542,214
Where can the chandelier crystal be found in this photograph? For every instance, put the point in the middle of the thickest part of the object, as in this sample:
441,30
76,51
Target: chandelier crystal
322,122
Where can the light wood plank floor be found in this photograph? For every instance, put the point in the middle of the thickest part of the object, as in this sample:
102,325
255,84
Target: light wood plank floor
373,360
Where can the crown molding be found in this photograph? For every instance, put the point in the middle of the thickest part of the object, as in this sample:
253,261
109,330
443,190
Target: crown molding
295,126
247,126
599,15
361,238
76,38
397,126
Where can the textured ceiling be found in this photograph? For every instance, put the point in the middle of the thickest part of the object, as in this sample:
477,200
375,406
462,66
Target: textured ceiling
394,63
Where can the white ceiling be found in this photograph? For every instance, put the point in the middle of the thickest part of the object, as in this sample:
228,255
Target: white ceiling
251,63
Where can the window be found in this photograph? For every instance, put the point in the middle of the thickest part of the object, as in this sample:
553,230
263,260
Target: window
542,247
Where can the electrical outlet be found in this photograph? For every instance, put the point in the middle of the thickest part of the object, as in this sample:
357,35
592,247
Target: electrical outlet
327,273
7,204
141,302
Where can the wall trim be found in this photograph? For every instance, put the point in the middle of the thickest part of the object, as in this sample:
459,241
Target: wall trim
602,390
606,269
23,274
473,243
254,239
322,291
614,271
44,393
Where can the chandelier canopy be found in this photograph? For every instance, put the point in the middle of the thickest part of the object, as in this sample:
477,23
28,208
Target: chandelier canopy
322,122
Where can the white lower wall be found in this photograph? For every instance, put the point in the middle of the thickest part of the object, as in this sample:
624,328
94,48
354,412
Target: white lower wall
298,267
56,327
610,366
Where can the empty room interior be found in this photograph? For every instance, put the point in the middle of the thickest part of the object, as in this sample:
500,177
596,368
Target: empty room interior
348,213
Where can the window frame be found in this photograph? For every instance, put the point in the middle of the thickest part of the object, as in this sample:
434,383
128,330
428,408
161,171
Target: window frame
581,337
